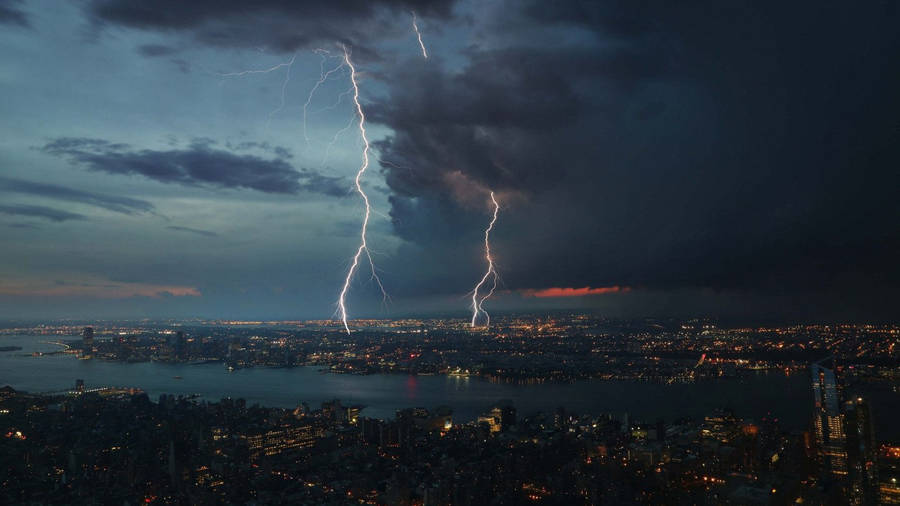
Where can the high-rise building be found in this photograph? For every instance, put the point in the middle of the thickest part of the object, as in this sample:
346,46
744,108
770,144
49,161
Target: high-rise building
490,420
507,415
721,426
889,474
828,422
500,418
862,453
87,341
180,345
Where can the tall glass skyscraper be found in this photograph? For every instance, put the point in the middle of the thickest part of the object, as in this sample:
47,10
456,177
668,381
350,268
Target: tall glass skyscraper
828,421
862,453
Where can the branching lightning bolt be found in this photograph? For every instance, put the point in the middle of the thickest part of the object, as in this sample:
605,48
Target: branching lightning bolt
419,35
323,76
363,246
287,78
262,71
478,303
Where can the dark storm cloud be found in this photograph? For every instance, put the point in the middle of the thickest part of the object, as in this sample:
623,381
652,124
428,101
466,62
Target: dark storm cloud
495,120
282,25
156,50
10,14
279,151
743,147
205,233
39,212
198,164
124,205
313,181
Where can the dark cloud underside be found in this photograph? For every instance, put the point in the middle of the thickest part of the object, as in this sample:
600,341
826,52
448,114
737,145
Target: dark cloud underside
11,14
743,147
154,50
282,25
39,212
119,204
205,233
198,164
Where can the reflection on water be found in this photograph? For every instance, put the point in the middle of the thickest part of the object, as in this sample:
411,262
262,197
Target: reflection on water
411,390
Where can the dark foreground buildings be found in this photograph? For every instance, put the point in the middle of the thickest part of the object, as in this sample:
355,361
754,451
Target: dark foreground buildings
846,450
119,447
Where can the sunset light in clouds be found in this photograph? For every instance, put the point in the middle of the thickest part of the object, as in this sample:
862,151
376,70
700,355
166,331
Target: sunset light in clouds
100,289
575,292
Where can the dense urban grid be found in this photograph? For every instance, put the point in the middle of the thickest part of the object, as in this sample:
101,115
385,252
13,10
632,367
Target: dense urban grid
116,445
523,348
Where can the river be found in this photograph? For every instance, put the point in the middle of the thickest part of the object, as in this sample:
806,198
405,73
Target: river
787,397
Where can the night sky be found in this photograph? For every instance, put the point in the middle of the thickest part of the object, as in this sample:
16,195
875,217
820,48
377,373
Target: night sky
652,158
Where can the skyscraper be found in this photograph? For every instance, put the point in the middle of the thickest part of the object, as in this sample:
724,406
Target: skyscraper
180,345
828,422
862,453
87,341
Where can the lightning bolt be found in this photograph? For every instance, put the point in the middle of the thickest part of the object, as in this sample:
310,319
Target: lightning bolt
287,78
261,71
419,35
323,76
360,119
363,246
477,303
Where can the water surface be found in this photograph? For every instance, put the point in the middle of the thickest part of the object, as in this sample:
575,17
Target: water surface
785,397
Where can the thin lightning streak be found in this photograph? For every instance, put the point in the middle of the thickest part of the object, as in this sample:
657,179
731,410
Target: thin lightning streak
334,140
323,76
477,304
363,246
287,78
340,100
263,71
419,35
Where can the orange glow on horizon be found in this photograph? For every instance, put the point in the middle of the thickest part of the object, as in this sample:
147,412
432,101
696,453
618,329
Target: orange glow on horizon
100,289
575,292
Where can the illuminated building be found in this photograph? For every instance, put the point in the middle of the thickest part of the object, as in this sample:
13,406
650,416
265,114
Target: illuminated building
499,418
353,413
276,441
889,474
722,426
828,423
492,422
862,454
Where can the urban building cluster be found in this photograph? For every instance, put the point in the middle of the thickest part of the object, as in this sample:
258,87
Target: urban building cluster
120,447
522,349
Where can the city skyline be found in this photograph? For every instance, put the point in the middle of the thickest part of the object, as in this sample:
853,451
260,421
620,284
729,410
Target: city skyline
449,252
731,162
571,409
